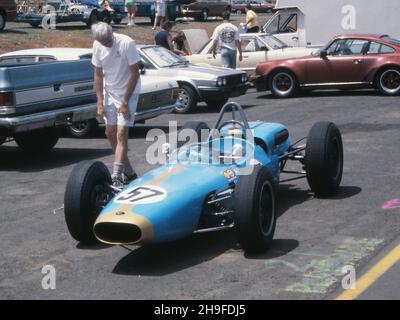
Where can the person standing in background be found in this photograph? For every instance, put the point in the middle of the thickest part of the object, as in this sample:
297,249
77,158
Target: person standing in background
251,20
131,7
226,35
160,12
117,80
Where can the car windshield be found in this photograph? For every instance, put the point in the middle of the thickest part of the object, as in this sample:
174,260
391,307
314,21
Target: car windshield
273,42
391,40
222,151
162,57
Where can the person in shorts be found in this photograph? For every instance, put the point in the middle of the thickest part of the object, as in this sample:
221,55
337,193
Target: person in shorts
131,8
160,12
117,80
226,35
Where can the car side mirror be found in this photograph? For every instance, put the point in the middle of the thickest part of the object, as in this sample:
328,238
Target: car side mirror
323,54
263,48
142,68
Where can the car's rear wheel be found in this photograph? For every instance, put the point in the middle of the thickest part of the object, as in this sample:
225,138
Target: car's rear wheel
324,158
85,194
255,211
37,141
389,82
283,84
192,132
83,128
187,99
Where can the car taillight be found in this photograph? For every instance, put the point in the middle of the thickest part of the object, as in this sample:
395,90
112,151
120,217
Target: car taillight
6,99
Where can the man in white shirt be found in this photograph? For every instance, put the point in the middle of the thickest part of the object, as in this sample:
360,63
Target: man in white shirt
117,79
226,35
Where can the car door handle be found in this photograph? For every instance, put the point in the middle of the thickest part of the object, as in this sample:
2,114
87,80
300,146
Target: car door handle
295,38
357,61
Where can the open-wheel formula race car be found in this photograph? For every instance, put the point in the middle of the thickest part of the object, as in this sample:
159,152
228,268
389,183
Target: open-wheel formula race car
229,180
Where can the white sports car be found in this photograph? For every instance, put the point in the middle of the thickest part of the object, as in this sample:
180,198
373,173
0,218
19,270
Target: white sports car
256,47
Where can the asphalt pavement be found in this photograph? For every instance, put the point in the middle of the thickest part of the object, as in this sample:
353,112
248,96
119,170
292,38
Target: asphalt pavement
314,240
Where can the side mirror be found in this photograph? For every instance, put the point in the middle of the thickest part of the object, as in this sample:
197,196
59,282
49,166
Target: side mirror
263,48
141,68
323,54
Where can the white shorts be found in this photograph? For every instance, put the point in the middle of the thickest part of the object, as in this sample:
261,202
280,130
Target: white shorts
113,118
160,10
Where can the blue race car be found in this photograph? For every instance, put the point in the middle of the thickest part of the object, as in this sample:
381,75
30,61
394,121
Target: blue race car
229,180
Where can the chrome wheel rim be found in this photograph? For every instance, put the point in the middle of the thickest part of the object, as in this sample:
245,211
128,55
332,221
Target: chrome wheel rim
390,81
184,99
79,127
282,83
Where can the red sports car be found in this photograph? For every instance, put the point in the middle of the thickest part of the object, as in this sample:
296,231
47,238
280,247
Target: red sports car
349,61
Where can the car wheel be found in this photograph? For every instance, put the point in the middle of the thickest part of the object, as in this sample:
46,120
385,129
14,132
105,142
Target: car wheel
187,99
283,84
83,128
324,158
389,82
85,194
255,211
2,22
204,15
37,141
192,131
218,104
93,18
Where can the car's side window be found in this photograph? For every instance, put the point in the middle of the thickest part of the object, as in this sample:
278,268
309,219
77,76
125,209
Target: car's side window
348,47
283,23
378,48
249,44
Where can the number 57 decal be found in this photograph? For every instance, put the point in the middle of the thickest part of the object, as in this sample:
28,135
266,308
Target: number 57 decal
142,195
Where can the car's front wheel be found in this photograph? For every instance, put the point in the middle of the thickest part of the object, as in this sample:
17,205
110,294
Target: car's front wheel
85,195
324,158
187,99
283,84
389,82
255,211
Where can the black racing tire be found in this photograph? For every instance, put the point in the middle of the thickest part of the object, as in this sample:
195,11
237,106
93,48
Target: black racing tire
37,141
204,15
83,128
196,128
254,210
283,84
188,99
3,19
86,184
217,104
388,81
324,158
117,21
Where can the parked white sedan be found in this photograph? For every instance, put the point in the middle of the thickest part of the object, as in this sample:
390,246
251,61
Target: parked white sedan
256,47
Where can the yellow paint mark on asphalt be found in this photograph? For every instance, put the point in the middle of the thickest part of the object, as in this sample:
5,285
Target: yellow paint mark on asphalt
372,275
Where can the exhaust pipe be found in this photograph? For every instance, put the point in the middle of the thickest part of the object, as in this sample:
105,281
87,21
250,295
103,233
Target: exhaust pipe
122,228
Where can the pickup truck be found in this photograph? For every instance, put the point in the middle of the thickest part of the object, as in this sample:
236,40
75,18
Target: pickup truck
36,98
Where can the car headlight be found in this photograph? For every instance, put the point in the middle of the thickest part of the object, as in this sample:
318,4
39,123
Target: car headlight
244,78
221,81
